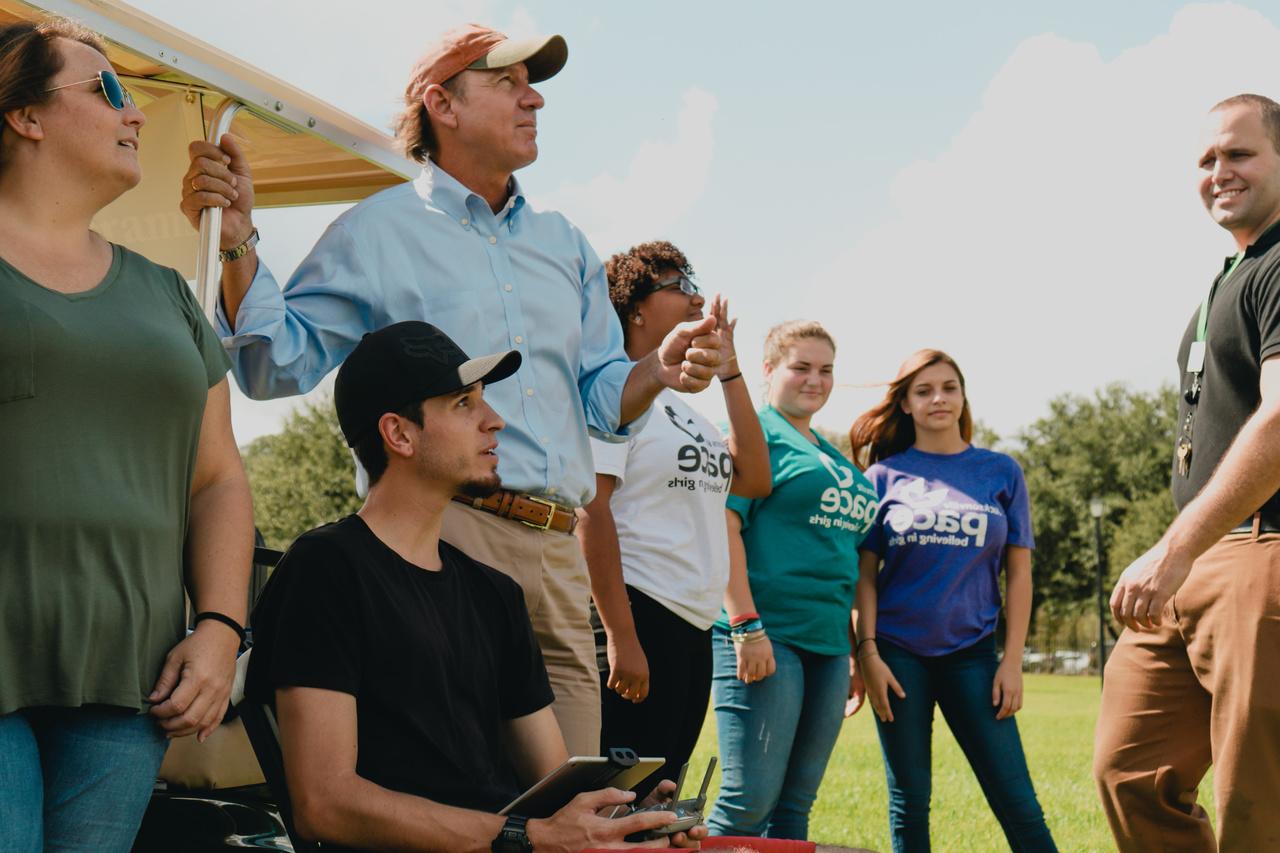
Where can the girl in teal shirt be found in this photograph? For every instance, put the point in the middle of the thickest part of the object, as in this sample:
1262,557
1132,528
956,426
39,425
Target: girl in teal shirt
781,648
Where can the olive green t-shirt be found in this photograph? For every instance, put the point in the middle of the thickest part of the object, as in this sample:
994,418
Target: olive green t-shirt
101,399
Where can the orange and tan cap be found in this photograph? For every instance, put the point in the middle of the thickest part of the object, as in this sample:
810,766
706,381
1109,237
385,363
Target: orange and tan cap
474,46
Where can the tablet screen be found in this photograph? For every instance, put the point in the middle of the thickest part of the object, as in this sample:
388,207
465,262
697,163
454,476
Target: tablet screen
580,773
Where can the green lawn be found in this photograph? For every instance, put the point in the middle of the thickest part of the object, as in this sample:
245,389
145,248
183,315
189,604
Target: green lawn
1056,724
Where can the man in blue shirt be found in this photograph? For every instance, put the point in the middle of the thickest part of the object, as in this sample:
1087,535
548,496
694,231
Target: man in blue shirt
461,248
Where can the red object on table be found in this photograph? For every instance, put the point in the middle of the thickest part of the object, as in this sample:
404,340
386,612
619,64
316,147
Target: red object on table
755,845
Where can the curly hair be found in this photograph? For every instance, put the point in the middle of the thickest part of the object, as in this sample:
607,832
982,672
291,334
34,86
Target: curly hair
886,429
29,60
632,274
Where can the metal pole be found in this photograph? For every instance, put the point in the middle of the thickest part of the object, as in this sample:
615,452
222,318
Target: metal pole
1102,605
208,267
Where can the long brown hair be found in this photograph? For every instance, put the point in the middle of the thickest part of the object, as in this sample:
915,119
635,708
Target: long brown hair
29,59
886,429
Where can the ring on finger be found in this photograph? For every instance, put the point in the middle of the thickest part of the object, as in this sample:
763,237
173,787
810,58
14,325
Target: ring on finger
194,188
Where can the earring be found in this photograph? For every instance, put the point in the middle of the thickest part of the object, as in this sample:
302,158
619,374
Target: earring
638,320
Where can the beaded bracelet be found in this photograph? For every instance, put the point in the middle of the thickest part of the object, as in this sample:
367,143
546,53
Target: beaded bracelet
749,637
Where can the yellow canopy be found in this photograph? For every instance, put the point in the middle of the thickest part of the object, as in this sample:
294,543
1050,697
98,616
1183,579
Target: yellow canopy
302,150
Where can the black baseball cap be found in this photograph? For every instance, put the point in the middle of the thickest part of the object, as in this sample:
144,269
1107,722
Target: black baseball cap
406,363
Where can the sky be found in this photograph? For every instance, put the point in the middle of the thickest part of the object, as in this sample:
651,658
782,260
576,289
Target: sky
1013,182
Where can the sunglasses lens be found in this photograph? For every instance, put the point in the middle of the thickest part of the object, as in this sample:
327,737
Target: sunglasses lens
111,87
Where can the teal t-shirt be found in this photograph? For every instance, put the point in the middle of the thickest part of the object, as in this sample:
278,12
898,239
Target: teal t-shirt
101,399
802,540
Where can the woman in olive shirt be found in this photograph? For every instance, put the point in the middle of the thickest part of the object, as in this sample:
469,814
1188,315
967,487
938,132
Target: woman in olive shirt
119,464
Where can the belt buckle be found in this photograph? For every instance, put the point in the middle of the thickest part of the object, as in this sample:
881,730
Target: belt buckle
551,513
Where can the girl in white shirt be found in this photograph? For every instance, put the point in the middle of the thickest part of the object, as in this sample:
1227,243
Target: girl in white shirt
654,535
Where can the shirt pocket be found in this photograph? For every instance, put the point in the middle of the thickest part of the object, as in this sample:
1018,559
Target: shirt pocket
17,354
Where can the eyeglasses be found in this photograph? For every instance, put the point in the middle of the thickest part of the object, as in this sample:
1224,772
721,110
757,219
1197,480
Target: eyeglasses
112,89
687,287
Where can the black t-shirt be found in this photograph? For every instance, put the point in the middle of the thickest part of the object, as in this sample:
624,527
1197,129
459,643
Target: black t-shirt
437,661
1243,331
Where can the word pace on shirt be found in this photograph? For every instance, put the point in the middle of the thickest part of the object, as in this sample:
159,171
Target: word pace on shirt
841,507
708,468
924,516
937,527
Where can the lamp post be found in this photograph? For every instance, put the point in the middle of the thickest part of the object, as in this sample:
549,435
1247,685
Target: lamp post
1097,509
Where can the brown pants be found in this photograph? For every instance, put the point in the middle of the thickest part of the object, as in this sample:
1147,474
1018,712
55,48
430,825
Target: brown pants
1202,689
551,570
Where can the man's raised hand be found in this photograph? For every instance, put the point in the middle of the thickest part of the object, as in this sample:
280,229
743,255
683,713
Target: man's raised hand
689,355
219,176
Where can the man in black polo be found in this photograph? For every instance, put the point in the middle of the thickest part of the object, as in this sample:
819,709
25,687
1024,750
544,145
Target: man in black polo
411,695
1194,681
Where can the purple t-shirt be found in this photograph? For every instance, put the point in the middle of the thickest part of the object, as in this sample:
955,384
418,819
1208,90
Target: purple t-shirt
942,528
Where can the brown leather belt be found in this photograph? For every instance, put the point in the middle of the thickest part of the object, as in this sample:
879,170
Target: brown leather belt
530,510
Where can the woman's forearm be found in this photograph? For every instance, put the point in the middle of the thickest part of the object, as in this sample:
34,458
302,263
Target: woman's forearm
865,596
1018,600
737,595
752,474
598,534
220,547
219,542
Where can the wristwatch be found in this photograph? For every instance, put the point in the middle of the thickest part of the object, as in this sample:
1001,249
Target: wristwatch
512,838
240,251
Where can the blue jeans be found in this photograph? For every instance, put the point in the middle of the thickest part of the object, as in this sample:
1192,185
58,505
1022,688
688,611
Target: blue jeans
960,683
775,738
76,778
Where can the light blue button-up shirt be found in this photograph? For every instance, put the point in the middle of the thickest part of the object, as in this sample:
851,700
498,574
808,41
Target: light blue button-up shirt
432,250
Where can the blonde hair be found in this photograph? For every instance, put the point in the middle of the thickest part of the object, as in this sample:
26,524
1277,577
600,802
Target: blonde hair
783,335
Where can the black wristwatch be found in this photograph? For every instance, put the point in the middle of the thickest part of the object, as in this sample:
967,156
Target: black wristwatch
512,838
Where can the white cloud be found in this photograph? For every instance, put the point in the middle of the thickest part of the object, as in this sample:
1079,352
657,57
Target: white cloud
1058,243
663,182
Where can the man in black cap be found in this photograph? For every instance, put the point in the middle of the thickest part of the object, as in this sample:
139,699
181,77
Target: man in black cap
406,675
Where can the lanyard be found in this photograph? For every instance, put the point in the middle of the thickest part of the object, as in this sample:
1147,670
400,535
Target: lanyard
1202,327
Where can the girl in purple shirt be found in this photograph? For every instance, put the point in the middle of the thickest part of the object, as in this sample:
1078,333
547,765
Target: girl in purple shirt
951,516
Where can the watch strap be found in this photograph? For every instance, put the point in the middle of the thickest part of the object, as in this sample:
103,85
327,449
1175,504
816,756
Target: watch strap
240,251
512,838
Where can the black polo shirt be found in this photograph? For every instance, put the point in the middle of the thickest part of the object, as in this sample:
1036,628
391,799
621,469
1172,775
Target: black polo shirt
1243,332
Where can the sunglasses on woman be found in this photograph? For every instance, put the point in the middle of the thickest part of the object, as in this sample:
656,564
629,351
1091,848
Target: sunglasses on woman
687,287
112,89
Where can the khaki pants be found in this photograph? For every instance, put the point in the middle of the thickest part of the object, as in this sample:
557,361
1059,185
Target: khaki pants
1202,689
551,570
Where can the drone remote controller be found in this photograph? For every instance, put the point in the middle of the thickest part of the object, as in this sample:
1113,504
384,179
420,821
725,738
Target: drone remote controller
688,812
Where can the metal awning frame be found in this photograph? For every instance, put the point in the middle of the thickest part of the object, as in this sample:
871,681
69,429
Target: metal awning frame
276,106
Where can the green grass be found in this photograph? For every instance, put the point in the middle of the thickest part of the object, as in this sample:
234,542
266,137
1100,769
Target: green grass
1056,724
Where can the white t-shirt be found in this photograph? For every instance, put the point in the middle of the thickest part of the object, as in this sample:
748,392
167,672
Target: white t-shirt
673,480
